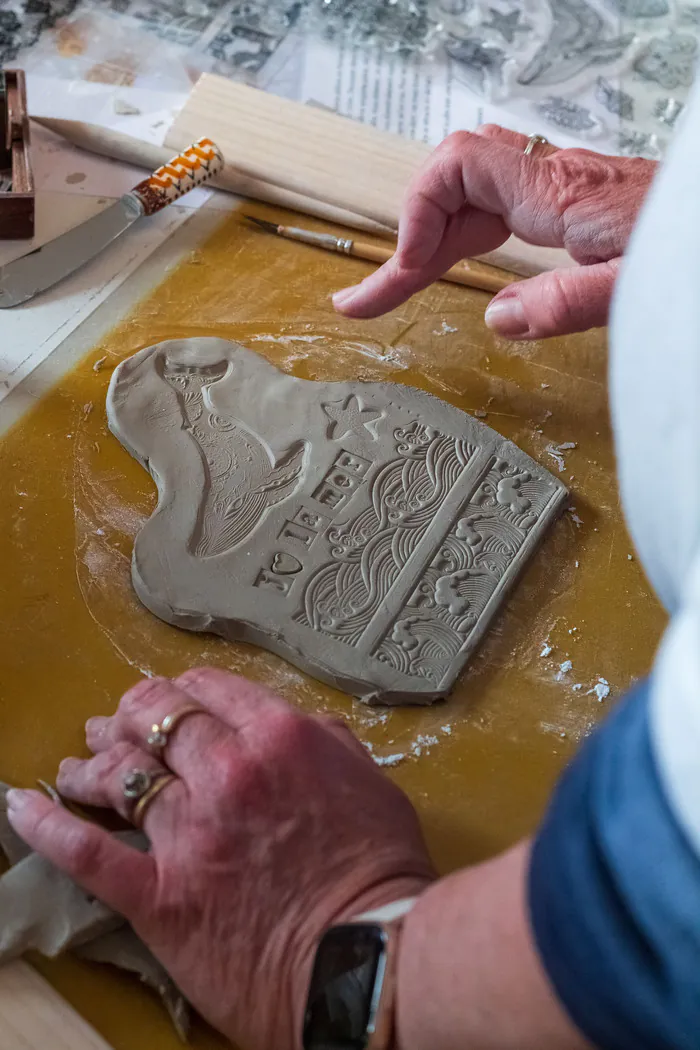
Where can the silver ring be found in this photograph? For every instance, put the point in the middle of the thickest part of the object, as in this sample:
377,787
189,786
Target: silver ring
136,783
535,140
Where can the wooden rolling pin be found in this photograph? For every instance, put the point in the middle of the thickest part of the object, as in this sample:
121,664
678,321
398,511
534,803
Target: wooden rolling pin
118,146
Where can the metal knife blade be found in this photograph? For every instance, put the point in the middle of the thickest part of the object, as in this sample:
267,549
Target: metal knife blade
38,270
33,273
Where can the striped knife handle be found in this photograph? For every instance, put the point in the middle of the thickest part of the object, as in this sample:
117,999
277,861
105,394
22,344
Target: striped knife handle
197,164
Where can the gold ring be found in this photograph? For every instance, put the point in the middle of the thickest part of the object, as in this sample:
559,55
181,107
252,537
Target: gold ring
157,784
535,140
160,733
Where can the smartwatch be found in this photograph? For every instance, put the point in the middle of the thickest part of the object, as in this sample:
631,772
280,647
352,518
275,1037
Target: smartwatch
351,998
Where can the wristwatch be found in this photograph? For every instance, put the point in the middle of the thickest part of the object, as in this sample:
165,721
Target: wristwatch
352,992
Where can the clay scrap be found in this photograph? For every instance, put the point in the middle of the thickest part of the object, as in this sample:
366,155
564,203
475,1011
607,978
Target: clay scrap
42,909
367,532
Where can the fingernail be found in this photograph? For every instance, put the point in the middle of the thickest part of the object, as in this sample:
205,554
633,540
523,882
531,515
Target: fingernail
15,799
66,764
344,296
96,725
507,317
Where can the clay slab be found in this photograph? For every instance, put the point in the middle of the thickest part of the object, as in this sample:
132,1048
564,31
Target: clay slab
367,532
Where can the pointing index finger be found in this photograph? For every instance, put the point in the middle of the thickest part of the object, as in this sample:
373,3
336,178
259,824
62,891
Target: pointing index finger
466,200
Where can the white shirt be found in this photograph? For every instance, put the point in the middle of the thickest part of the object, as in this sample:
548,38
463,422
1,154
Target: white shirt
655,395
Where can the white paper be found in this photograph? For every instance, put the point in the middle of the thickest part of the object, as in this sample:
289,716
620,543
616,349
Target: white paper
31,331
419,98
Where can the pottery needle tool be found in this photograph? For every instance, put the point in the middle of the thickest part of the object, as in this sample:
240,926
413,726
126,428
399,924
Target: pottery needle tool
25,277
488,279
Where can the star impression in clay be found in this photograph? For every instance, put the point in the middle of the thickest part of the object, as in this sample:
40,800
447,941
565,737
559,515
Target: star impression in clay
350,417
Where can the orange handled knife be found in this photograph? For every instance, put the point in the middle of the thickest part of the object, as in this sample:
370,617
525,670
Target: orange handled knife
34,273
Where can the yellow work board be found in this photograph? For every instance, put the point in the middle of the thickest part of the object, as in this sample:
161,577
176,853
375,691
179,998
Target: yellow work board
479,767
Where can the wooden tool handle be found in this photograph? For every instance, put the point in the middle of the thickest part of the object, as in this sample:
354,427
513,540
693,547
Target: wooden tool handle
478,275
471,274
198,163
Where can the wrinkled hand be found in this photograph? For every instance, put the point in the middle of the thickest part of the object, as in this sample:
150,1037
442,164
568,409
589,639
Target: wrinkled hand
475,190
278,825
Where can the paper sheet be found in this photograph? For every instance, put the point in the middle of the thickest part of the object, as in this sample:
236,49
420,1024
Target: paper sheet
417,97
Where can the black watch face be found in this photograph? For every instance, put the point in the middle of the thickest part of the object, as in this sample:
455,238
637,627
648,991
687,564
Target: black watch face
345,987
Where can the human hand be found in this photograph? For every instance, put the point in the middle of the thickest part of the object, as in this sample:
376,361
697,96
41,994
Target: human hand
278,826
478,188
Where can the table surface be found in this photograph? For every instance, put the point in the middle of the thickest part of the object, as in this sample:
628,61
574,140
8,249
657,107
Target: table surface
479,767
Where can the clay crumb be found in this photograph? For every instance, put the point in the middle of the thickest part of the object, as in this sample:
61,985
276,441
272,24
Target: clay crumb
545,386
480,414
389,760
557,451
575,518
445,329
601,690
553,451
447,729
546,649
423,740
97,367
630,558
576,564
577,688
564,669
87,408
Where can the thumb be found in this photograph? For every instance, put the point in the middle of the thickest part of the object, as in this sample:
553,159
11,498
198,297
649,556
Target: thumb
119,876
554,303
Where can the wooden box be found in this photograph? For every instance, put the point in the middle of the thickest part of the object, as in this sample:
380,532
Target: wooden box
17,202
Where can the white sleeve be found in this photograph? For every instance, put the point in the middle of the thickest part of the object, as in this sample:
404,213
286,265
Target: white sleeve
655,394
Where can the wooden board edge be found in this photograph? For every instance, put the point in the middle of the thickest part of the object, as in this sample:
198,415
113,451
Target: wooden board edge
33,1016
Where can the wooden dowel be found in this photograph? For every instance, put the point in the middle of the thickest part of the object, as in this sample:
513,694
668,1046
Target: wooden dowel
472,275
